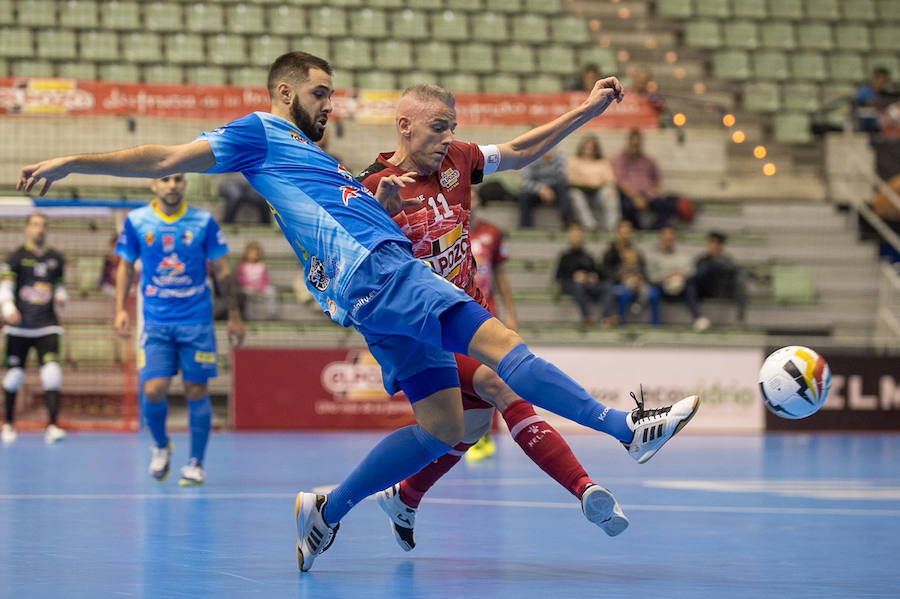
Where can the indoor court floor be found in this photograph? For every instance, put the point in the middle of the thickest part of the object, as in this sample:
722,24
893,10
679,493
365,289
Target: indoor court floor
711,516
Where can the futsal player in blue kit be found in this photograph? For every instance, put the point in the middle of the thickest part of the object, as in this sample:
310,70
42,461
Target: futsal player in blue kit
361,270
174,242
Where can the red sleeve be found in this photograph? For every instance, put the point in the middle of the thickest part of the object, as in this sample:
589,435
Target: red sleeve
474,160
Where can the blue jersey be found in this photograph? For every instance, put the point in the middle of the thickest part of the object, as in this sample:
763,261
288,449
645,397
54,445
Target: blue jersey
330,219
174,250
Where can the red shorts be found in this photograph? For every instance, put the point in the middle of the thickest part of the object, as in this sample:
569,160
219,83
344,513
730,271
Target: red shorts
467,367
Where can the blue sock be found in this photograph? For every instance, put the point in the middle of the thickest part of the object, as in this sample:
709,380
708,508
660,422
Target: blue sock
201,423
155,414
546,386
398,456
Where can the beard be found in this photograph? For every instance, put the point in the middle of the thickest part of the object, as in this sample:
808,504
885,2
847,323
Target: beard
304,121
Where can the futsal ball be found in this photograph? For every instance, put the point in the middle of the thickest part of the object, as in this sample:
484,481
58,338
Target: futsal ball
794,382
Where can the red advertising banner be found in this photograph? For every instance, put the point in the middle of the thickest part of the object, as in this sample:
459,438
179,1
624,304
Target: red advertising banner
323,389
70,97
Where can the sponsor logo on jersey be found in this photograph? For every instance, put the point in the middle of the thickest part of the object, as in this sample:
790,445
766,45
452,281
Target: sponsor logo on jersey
40,269
448,252
332,309
151,291
205,357
168,240
317,276
187,238
347,192
302,249
345,172
150,238
170,266
449,178
38,294
297,137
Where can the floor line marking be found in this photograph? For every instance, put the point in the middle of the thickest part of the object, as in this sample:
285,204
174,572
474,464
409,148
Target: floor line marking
237,576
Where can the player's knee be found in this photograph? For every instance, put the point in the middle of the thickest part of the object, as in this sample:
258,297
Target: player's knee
478,424
491,388
51,376
156,390
196,391
13,379
449,432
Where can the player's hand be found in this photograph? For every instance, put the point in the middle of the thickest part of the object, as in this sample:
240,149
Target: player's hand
546,194
122,323
604,93
48,170
388,192
14,317
236,330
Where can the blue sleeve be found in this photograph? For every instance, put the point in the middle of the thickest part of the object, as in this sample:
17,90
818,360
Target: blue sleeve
238,146
214,244
128,246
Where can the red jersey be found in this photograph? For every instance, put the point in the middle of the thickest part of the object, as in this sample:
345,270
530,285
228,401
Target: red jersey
489,251
438,225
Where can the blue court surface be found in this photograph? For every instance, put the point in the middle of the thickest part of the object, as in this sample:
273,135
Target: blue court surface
711,516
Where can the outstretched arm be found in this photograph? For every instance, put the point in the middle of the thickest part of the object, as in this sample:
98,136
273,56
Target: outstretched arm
151,161
530,146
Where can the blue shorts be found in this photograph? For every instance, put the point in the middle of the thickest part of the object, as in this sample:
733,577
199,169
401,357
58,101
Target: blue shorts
167,348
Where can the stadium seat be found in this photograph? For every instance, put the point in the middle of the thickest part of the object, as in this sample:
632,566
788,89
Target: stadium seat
516,58
31,68
716,9
507,6
801,97
56,43
741,34
120,16
78,14
408,78
318,46
603,58
852,37
808,66
557,59
37,13
395,4
120,73
731,64
569,29
889,10
434,56
286,20
409,25
163,73
207,75
859,10
792,128
394,54
890,62
7,14
475,57
750,9
823,10
204,18
266,48
545,7
762,97
786,9
792,285
164,17
99,45
529,28
185,48
379,80
328,22
369,23
703,34
502,83
674,9
847,68
460,82
142,47
246,19
4,67
543,83
77,70
778,36
466,5
886,38
247,77
225,49
449,25
489,27
424,5
350,53
814,36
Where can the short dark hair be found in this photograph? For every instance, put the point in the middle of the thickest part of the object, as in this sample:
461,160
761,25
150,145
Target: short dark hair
294,67
882,71
718,236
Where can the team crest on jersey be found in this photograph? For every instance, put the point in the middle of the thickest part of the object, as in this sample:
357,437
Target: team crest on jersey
317,276
150,238
40,269
449,178
187,238
347,192
297,137
168,240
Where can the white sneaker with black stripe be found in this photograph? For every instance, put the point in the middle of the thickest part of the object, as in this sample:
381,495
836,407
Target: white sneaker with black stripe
314,536
403,517
601,508
652,428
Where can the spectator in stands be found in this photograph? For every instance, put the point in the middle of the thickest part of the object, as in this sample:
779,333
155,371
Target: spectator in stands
253,278
577,276
717,275
872,99
236,191
585,81
107,282
592,183
544,182
612,257
668,269
639,183
633,290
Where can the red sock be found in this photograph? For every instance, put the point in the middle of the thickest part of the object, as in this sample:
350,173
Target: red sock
414,487
546,447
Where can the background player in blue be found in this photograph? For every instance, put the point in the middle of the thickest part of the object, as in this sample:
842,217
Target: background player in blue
361,270
174,242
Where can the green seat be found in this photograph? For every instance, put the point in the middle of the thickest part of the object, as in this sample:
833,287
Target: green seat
852,37
778,36
674,9
120,16
409,25
164,16
434,56
205,18
516,58
846,67
86,71
891,62
32,68
79,14
424,5
475,57
530,28
507,6
394,54
823,10
265,49
142,47
395,4
247,77
502,83
328,22
7,14
814,36
185,48
859,10
569,29
889,10
809,66
285,19
762,97
460,82
750,9
163,73
350,53
801,97
246,19
37,13
317,46
543,83
369,23
886,38
557,59
408,78
489,27
791,10
465,5
703,34
56,44
741,34
792,285
120,73
207,75
716,9
99,45
449,25
792,128
225,49
731,64
378,80
603,58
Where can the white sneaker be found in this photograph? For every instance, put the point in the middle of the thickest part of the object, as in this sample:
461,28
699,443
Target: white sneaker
159,463
53,434
701,324
652,428
403,517
601,508
192,475
9,434
314,536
